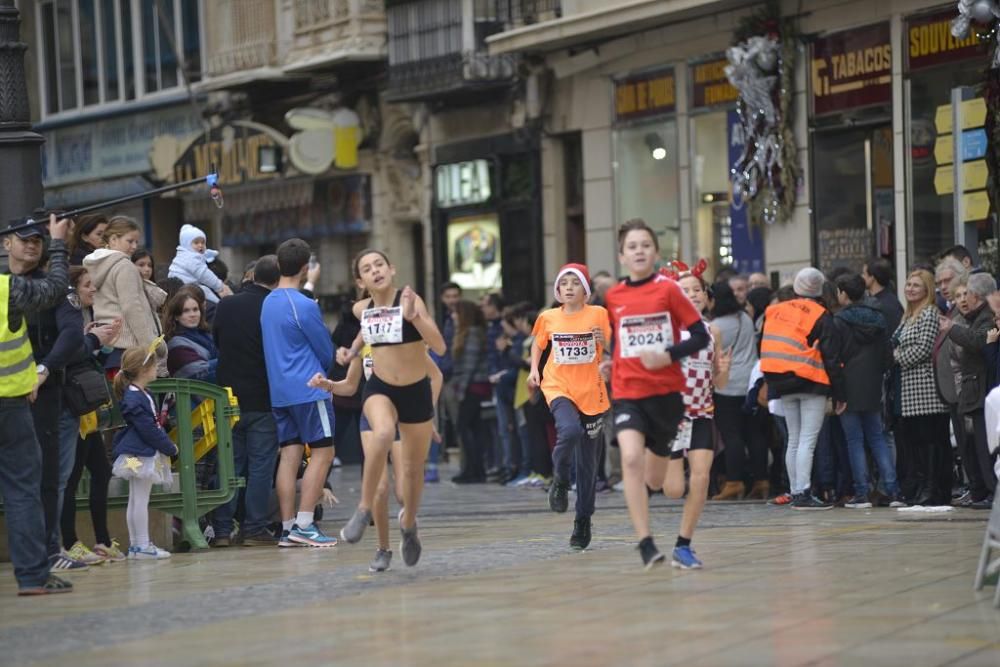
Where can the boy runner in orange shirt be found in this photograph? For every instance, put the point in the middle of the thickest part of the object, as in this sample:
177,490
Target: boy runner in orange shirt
577,334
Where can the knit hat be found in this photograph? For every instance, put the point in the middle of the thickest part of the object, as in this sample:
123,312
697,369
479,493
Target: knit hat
188,234
580,271
809,283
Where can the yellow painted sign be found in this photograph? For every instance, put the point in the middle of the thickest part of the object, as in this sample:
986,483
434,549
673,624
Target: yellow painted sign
976,206
973,113
944,152
942,119
944,180
974,175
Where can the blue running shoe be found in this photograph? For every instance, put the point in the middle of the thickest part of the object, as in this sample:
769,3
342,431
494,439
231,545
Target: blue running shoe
311,536
685,559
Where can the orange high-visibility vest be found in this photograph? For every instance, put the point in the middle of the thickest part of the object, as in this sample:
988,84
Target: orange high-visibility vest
784,346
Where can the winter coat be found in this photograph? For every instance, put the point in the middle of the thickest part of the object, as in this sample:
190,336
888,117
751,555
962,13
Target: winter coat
969,333
471,363
192,356
738,335
914,347
192,268
866,354
121,292
142,435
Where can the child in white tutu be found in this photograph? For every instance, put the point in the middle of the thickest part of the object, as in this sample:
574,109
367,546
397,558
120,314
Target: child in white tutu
142,449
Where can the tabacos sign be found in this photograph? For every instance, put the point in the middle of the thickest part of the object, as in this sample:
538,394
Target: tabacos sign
851,69
233,150
929,41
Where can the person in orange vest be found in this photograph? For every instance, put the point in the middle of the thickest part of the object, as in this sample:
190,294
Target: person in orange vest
800,358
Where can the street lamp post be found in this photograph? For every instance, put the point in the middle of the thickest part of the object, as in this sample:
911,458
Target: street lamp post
20,147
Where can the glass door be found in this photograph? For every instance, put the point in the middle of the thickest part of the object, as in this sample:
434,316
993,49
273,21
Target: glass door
852,193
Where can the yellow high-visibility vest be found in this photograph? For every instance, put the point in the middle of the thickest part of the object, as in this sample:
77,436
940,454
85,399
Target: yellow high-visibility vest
17,362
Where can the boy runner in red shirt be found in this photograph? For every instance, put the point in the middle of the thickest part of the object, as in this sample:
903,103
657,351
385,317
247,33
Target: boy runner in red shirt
648,311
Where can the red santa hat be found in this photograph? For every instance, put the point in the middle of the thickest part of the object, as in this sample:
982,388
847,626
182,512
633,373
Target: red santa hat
580,271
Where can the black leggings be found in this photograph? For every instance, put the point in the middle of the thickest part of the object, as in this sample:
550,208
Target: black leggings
89,452
924,459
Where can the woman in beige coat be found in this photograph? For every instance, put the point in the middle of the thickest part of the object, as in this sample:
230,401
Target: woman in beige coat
121,291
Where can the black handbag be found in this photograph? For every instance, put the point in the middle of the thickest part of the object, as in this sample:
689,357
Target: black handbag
85,387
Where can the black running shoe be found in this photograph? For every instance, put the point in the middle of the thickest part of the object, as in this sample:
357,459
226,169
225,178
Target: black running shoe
651,556
581,533
807,501
559,496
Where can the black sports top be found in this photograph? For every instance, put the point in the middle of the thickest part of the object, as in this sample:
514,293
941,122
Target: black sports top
385,325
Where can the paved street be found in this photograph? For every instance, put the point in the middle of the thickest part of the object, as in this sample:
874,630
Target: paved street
498,585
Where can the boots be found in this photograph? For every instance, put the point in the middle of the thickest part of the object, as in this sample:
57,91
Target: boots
761,490
731,491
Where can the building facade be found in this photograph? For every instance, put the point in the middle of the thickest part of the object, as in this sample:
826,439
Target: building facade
490,141
640,86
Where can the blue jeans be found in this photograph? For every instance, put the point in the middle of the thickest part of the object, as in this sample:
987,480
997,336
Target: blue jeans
524,436
832,466
69,431
860,427
255,453
20,485
572,438
804,414
504,397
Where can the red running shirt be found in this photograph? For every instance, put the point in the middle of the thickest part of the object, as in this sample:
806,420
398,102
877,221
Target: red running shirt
647,315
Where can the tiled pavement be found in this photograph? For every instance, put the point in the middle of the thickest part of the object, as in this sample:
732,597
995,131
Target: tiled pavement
498,585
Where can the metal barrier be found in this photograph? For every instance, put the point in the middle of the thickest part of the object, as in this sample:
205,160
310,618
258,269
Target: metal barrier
989,563
216,422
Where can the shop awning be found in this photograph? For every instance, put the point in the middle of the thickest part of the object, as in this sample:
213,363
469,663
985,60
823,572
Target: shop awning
614,20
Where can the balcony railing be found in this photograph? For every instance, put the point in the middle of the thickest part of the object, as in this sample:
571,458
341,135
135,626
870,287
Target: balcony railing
517,13
328,31
448,75
240,35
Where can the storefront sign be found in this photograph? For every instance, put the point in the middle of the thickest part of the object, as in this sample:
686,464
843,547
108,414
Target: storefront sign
848,246
747,240
231,149
113,147
709,85
462,183
852,69
930,42
644,95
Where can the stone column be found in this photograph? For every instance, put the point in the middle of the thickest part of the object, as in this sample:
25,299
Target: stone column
20,147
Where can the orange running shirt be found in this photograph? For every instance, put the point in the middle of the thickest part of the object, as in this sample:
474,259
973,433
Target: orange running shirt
647,315
571,370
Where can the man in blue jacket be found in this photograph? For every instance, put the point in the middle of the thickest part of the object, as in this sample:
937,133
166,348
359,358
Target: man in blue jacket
297,345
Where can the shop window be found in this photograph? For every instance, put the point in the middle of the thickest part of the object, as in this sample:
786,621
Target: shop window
89,49
646,180
931,219
712,233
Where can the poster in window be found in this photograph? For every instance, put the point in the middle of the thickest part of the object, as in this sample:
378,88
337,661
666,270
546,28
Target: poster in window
474,252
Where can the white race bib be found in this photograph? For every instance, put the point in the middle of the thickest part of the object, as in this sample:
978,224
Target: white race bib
644,333
682,442
368,365
574,348
382,325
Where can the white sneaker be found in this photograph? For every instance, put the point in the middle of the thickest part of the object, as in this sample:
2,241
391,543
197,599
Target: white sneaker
336,462
150,552
619,487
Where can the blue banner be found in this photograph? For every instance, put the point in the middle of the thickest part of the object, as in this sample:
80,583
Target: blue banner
748,243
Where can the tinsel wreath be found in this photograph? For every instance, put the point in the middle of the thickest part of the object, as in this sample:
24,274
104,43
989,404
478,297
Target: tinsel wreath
761,67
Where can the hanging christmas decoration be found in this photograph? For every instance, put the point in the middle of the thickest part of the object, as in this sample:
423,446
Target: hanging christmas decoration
760,68
980,17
